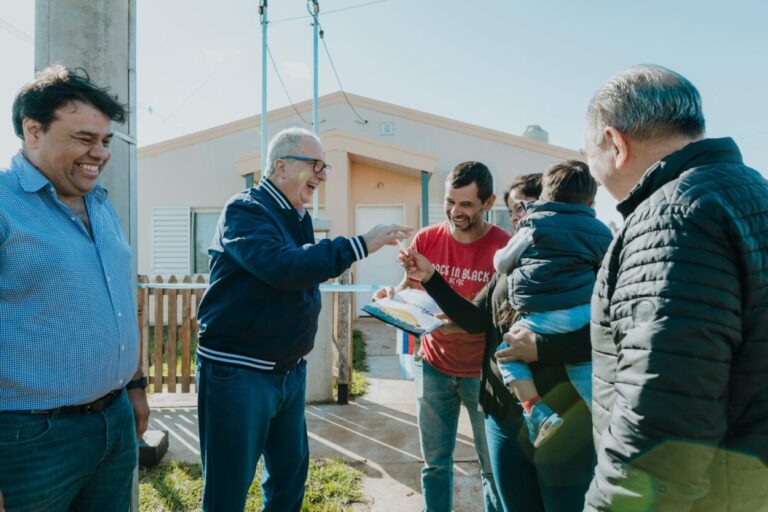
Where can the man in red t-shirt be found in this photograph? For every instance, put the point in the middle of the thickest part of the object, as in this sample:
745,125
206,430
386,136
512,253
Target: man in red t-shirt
462,250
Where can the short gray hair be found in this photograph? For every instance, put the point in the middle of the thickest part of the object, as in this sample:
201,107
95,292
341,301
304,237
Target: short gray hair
646,102
286,143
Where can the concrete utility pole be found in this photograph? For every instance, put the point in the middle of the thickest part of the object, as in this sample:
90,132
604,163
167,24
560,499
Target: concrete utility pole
99,37
264,22
314,10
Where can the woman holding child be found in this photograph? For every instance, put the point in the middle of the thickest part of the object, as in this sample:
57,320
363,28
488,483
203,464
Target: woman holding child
554,476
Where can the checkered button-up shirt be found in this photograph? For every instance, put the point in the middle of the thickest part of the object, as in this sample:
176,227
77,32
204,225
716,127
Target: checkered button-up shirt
68,330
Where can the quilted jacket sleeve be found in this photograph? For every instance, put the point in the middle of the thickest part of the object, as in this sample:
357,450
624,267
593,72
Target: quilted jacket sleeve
676,320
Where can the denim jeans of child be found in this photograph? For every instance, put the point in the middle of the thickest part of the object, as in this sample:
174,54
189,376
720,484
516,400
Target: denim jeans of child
438,400
244,414
69,461
554,322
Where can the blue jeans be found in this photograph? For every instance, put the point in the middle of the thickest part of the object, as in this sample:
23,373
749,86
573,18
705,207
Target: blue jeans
552,478
554,322
68,461
438,401
244,414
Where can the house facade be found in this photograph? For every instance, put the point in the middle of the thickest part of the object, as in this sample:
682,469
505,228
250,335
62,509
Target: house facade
390,168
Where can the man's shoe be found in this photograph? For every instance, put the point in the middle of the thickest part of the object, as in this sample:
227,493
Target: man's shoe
541,423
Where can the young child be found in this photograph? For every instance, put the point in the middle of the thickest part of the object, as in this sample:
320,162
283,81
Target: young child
551,264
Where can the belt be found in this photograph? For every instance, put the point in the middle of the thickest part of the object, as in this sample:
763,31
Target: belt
97,405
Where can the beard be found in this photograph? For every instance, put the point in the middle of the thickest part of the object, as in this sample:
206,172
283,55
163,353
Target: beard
467,223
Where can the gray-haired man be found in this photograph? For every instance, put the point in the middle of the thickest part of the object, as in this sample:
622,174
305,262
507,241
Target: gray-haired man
680,310
258,320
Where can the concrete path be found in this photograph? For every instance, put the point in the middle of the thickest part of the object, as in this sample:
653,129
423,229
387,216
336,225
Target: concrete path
377,434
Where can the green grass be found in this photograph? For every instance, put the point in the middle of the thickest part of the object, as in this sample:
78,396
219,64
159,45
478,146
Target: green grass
331,486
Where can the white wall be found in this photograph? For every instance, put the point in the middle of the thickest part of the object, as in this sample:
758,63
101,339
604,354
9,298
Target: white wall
204,175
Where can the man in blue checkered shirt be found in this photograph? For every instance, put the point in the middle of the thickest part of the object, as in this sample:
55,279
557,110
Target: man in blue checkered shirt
71,399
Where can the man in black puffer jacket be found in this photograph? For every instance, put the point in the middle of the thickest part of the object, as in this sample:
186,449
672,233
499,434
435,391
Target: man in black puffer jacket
680,308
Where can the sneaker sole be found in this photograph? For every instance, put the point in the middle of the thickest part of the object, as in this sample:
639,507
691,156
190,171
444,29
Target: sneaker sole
549,427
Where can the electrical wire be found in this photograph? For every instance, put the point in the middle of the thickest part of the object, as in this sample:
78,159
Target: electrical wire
338,80
11,29
333,11
282,84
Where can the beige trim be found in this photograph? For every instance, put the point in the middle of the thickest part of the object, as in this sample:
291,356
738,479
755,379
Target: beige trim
254,122
390,157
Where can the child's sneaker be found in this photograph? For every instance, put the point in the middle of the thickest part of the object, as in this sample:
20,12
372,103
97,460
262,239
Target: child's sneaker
541,423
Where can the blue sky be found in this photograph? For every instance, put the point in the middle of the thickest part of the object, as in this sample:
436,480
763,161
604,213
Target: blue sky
500,64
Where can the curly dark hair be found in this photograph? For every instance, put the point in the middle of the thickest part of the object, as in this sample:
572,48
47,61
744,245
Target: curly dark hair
53,87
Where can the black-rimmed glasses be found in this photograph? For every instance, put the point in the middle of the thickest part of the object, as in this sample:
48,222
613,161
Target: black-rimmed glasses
318,166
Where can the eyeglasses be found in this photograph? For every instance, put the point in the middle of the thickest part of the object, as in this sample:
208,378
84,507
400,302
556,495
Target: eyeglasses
318,166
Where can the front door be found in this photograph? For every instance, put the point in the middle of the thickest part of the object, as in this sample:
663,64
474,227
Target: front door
380,268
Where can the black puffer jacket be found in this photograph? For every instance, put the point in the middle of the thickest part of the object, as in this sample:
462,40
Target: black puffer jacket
558,270
680,340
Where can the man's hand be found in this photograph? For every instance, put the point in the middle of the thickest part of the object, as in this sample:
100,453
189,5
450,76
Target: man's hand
522,346
382,235
416,266
138,398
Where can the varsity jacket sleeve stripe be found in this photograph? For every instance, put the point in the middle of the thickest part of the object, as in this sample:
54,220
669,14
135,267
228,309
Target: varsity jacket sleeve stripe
252,237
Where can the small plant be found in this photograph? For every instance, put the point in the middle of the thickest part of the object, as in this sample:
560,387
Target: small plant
359,384
359,354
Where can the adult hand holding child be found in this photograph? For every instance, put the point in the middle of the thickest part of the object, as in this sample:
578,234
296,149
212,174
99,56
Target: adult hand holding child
522,346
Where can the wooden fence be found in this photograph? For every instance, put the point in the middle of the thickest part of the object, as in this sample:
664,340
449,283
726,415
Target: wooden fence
176,308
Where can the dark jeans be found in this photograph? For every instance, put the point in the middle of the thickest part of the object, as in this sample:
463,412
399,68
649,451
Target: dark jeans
244,414
71,461
552,478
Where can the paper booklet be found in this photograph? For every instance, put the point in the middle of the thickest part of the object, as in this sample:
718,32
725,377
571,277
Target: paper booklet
410,310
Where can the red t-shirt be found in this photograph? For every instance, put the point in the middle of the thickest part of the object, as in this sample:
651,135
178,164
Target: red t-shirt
466,268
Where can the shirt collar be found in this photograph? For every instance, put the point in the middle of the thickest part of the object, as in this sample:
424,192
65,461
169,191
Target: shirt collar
32,180
696,154
275,193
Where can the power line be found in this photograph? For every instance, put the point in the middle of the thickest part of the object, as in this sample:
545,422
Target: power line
149,109
285,90
338,80
11,29
354,7
294,18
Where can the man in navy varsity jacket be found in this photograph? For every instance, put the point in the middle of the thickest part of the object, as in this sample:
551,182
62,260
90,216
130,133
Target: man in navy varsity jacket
258,320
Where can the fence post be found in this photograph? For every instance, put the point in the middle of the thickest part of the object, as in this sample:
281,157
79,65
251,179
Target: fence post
143,311
198,297
172,335
186,331
345,342
157,357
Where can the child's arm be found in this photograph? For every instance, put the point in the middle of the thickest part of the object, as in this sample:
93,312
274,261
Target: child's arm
508,257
